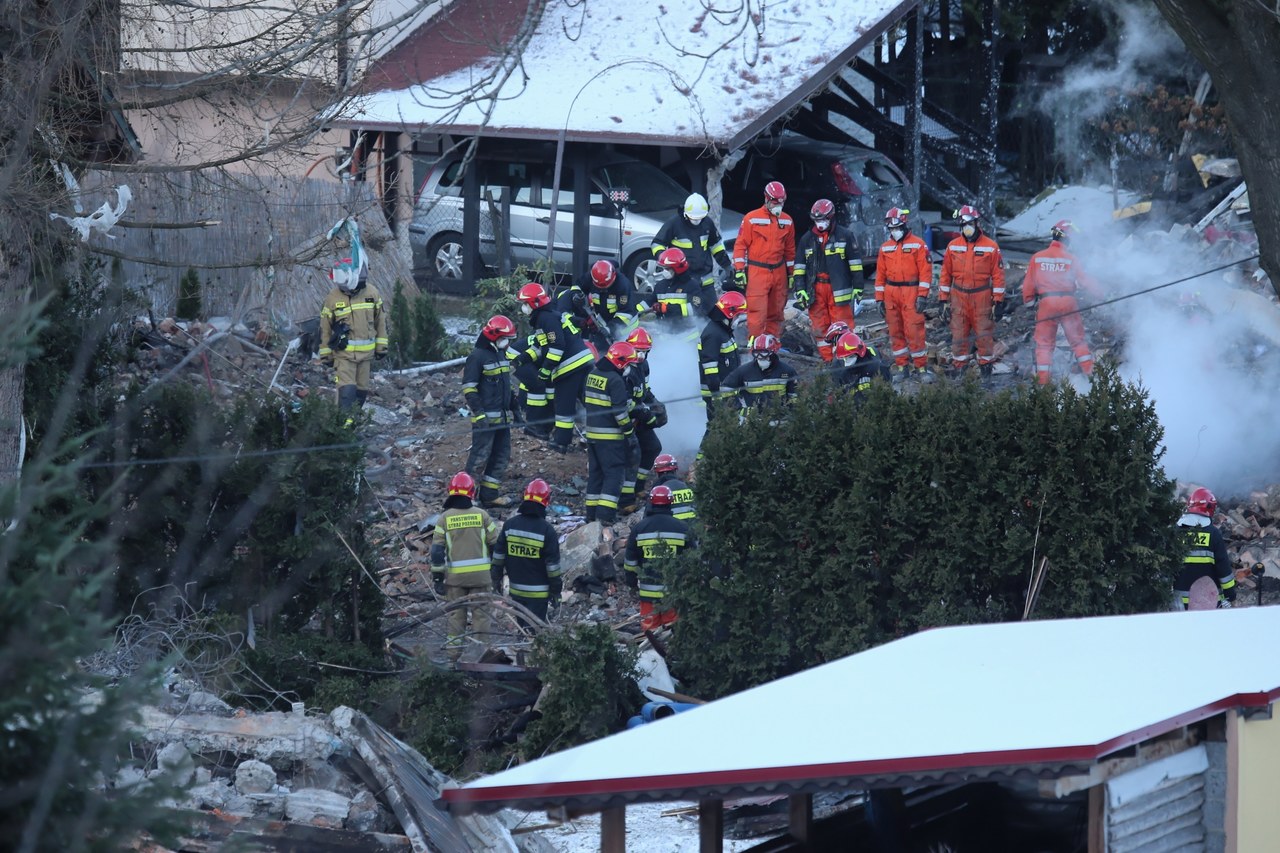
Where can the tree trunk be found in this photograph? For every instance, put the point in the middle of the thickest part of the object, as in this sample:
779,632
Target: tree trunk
15,279
1238,42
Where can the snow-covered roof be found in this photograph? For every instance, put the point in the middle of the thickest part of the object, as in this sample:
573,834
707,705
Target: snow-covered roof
949,701
624,70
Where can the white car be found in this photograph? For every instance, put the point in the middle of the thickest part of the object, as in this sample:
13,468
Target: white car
622,232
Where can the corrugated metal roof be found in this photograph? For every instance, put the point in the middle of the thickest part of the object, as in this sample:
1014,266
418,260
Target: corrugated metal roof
951,703
644,71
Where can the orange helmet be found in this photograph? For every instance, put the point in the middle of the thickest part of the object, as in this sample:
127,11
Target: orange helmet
673,259
462,485
835,330
534,295
665,463
538,491
775,192
1202,502
850,345
603,274
621,354
732,304
498,327
640,340
660,496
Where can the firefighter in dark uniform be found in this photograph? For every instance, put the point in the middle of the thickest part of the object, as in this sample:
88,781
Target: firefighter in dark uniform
828,274
528,551
666,470
658,536
693,232
486,386
608,430
531,396
677,292
764,380
648,414
609,300
562,359
1206,555
718,349
860,364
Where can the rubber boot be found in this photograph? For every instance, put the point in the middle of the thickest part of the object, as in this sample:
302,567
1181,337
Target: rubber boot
348,399
361,396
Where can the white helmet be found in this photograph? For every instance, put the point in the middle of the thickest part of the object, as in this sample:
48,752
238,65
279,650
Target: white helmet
695,208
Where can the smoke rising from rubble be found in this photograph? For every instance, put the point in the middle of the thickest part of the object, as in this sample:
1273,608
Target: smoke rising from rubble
1207,350
1145,47
673,374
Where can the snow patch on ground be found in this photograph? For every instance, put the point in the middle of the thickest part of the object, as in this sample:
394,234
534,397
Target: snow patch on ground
1082,205
647,832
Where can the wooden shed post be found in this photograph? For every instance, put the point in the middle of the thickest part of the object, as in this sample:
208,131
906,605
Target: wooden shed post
613,830
711,826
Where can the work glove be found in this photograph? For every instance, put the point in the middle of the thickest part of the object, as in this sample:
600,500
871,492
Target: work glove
880,307
379,355
479,419
544,374
803,299
327,361
437,583
857,295
997,310
946,312
740,281
696,301
633,580
920,301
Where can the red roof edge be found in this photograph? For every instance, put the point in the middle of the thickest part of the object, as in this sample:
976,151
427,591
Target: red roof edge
607,789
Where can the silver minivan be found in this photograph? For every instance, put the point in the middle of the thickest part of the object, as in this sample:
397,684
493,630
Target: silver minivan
630,200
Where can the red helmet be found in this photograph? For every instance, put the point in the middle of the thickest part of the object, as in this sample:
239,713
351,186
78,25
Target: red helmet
896,217
463,485
538,491
621,354
674,260
732,304
765,344
823,208
968,213
534,295
660,496
640,340
1201,501
835,330
498,327
1063,229
665,463
850,345
774,191
603,274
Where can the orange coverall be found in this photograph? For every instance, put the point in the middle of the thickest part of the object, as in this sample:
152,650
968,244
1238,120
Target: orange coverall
972,280
903,275
1053,277
766,249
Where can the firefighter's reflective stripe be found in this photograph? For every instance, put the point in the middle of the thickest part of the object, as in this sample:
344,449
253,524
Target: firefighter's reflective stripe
763,386
580,360
530,591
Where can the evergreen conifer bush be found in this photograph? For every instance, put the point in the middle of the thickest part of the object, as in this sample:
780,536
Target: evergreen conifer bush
833,528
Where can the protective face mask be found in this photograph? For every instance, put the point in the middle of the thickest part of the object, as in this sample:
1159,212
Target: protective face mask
694,220
775,209
663,274
897,233
850,360
626,371
526,309
969,231
763,362
503,343
642,354
739,321
821,224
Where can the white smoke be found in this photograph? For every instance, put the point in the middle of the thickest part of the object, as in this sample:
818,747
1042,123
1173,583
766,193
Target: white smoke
1145,47
1207,350
673,375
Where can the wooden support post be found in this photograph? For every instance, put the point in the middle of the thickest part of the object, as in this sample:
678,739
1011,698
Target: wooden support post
471,265
800,817
711,826
1098,819
914,113
580,261
613,830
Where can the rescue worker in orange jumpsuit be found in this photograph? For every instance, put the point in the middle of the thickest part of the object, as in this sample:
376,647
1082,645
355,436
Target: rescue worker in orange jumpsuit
764,257
971,290
904,275
828,274
1053,278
